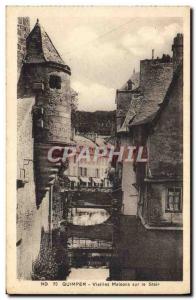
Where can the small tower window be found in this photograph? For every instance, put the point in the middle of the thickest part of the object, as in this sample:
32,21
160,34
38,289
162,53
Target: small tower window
55,82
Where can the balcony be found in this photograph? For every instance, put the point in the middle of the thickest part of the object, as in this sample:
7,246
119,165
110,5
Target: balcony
85,184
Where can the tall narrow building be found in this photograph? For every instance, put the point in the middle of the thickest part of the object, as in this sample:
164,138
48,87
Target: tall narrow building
43,121
45,75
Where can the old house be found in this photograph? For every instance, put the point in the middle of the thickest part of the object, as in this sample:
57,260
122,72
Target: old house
153,190
88,172
44,120
124,97
162,196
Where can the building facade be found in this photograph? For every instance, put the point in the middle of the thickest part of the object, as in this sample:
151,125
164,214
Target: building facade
44,120
88,173
152,190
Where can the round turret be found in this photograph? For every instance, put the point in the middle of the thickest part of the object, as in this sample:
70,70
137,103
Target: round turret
45,76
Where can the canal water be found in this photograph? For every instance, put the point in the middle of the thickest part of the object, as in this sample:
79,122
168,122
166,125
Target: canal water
96,245
90,243
87,216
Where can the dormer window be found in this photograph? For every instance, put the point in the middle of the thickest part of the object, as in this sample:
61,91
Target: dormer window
55,82
129,85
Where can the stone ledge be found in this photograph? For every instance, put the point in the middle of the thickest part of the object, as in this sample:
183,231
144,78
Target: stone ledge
148,227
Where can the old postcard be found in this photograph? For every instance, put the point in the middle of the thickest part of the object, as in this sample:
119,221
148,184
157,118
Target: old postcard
98,150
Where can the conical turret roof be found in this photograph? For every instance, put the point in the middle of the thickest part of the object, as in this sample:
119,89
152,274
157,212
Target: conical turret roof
40,47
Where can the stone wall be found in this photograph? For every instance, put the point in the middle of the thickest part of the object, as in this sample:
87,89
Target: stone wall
59,209
55,102
23,30
51,115
44,119
30,220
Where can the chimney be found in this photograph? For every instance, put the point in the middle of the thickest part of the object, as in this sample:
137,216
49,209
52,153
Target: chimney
152,54
177,49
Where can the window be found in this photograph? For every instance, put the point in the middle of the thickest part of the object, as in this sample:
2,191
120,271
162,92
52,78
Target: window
83,172
174,200
55,82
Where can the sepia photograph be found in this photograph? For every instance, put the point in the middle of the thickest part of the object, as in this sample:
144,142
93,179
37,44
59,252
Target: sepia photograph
98,116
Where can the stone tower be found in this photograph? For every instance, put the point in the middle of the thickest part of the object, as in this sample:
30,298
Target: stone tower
45,76
177,49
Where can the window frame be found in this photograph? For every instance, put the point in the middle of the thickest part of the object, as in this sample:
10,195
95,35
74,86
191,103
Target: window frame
83,172
173,190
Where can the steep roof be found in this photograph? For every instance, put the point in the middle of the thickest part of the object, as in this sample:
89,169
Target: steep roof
144,107
137,100
154,116
40,47
146,110
153,97
162,106
168,163
129,117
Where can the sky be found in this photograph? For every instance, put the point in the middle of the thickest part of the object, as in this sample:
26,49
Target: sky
102,52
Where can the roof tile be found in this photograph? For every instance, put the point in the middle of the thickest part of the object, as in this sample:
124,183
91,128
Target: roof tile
40,47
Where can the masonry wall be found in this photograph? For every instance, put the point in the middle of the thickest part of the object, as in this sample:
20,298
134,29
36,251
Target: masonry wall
44,117
56,102
30,220
51,114
59,200
23,30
